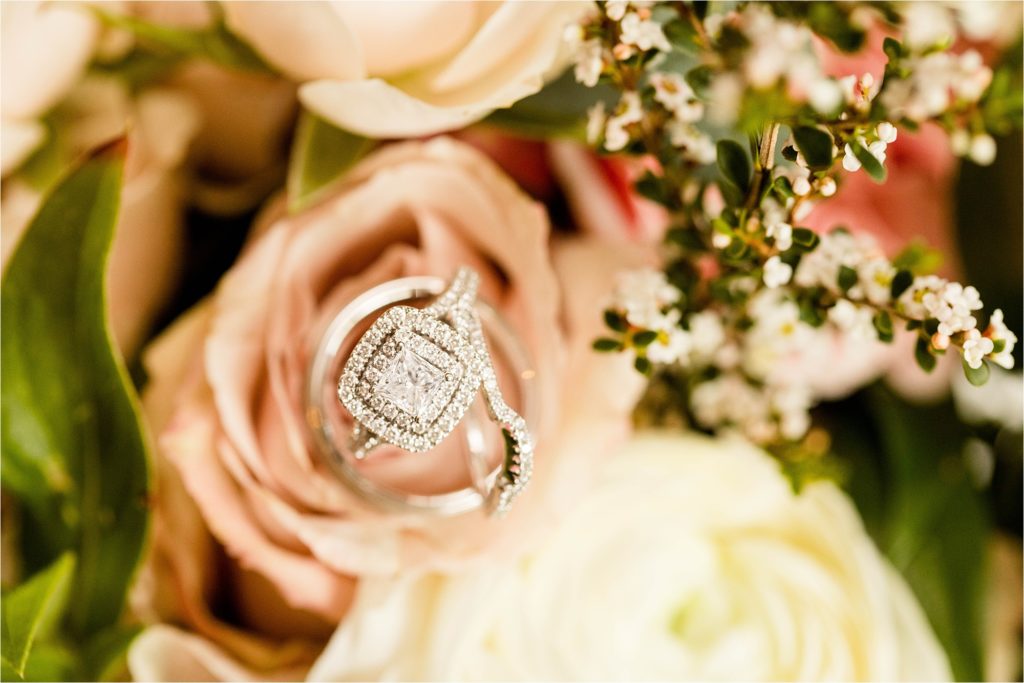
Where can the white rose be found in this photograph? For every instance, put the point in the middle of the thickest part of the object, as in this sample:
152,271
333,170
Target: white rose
145,256
691,559
44,48
403,69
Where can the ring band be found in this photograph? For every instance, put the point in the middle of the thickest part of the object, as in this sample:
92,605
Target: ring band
410,381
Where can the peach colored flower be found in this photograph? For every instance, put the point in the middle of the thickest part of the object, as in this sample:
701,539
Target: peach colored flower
45,48
402,69
225,396
145,256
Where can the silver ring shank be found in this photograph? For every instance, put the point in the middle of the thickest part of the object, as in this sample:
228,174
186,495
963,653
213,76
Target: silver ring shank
325,360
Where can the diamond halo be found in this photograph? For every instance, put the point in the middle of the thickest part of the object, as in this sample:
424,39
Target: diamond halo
412,376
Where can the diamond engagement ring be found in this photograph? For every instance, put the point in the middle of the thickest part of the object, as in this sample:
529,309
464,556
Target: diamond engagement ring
410,381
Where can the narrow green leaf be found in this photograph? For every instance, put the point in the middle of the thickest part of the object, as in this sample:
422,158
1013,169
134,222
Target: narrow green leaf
923,355
816,146
73,447
901,282
615,320
734,164
805,238
976,376
847,278
605,344
32,609
643,366
644,338
892,48
104,655
321,155
872,166
883,326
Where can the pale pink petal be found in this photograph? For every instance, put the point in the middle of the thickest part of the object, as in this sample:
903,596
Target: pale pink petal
17,141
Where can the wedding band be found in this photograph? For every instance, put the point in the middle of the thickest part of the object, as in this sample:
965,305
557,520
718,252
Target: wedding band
411,380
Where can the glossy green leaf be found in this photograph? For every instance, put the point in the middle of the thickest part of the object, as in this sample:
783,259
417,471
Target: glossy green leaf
816,146
559,110
31,611
321,155
74,450
847,278
872,166
901,282
734,164
606,344
976,376
923,355
883,326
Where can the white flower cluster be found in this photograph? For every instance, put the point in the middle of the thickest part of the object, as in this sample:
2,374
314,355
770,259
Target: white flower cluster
840,249
677,97
643,296
762,414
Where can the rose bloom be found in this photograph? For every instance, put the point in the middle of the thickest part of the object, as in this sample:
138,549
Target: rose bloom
690,559
403,69
142,270
44,50
238,473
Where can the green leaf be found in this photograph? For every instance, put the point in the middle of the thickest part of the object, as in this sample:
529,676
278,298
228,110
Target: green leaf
918,258
873,167
605,344
847,278
892,48
615,320
558,110
214,43
644,338
805,238
699,78
32,609
73,447
321,155
923,355
104,655
816,146
734,164
883,325
643,366
901,282
976,376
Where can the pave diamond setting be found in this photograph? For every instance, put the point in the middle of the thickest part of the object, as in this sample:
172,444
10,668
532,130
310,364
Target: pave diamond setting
410,379
413,375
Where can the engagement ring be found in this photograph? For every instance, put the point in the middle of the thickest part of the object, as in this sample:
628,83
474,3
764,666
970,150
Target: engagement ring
410,381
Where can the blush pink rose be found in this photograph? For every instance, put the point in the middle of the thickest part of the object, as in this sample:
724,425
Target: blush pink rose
240,478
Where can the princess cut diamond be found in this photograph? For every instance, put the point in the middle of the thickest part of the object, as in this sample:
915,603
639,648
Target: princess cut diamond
412,383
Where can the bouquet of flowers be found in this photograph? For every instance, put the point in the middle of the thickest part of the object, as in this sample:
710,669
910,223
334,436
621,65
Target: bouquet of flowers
511,340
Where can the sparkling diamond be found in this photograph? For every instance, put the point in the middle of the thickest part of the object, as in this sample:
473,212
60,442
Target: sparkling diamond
412,383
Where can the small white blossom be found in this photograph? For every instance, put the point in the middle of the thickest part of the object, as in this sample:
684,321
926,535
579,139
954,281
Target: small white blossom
589,62
676,95
853,319
696,145
911,302
801,186
825,95
791,403
983,149
616,9
951,306
615,135
777,272
827,187
776,224
837,249
850,161
875,279
927,24
998,331
886,132
706,334
643,295
975,350
672,346
645,34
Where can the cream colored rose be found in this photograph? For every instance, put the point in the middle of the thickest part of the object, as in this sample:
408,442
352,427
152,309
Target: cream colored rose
146,253
44,49
404,69
691,559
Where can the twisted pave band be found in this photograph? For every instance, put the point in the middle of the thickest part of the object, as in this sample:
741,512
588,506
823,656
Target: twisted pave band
413,374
